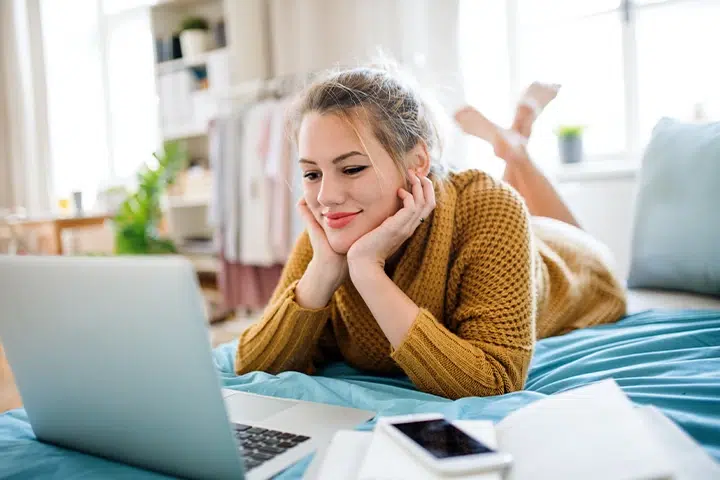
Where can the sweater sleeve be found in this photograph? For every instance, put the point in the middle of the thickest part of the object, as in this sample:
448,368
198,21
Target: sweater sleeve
287,335
485,346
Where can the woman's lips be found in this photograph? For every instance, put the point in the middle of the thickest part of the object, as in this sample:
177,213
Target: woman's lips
340,220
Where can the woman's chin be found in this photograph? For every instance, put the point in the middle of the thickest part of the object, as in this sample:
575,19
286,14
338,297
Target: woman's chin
341,243
340,247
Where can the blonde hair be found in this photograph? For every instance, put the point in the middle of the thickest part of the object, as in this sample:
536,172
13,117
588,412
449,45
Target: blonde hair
394,108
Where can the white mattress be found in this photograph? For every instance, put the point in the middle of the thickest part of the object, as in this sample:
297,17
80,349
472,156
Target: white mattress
642,299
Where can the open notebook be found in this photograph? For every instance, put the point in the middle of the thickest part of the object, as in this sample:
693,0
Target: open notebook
592,432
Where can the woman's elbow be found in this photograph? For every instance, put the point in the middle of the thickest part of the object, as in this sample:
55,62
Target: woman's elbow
503,378
497,382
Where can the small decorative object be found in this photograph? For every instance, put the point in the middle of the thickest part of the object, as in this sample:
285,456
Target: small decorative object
175,47
699,113
64,207
194,36
200,74
138,219
220,38
570,143
77,204
162,52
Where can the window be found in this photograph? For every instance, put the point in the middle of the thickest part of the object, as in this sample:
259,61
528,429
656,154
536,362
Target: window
132,101
678,70
485,69
584,53
100,82
74,77
623,64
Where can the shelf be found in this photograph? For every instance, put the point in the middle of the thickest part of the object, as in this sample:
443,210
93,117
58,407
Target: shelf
184,62
203,263
201,254
178,201
183,133
180,3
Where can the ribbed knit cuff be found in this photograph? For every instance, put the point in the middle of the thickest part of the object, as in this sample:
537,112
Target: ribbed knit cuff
417,354
284,339
438,361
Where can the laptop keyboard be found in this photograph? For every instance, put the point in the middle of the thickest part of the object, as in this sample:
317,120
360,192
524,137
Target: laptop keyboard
258,445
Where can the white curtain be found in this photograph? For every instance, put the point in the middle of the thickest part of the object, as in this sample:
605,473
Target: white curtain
285,37
24,149
310,35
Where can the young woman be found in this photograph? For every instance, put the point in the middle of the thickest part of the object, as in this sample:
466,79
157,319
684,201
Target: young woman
406,268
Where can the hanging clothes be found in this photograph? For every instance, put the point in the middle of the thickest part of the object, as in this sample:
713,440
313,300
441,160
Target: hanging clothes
247,286
252,201
255,193
278,169
224,211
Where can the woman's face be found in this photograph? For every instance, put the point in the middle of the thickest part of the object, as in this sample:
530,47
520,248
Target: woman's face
347,195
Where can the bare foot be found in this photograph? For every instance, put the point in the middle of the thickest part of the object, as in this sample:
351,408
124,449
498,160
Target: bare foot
475,123
507,144
536,97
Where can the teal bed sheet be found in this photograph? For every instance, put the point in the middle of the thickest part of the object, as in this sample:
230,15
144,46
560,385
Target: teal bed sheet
667,358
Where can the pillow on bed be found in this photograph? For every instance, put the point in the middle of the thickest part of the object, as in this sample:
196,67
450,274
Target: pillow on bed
676,233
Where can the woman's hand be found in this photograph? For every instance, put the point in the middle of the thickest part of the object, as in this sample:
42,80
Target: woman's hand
376,246
327,269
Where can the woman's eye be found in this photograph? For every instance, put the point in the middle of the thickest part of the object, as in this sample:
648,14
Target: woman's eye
311,175
354,170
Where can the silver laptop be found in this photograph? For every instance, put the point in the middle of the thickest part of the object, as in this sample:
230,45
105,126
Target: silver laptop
112,357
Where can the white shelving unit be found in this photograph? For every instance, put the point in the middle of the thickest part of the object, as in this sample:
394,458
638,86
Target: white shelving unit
190,89
170,66
187,88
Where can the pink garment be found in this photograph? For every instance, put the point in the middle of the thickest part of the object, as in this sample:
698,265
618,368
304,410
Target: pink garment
251,286
247,286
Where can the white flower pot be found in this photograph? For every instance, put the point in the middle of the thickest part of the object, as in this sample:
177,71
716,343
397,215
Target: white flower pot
193,42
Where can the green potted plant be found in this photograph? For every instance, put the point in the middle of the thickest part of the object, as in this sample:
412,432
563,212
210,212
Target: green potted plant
194,36
570,143
138,219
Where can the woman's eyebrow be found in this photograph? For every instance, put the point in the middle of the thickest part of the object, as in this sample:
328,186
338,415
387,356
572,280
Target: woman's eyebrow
336,159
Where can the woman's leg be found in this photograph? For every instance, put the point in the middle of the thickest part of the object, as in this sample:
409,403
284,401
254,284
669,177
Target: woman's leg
478,125
538,191
520,172
535,98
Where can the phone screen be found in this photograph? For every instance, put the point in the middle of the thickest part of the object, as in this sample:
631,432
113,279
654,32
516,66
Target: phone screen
442,439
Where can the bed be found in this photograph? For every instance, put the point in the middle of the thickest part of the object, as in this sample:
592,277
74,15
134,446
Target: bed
668,356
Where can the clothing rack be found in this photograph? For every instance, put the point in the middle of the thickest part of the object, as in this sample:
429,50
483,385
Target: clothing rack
258,89
252,200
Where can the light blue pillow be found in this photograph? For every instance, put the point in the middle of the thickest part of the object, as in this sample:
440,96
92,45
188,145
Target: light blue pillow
676,234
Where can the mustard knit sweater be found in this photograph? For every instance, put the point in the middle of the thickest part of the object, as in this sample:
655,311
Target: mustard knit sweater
488,279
